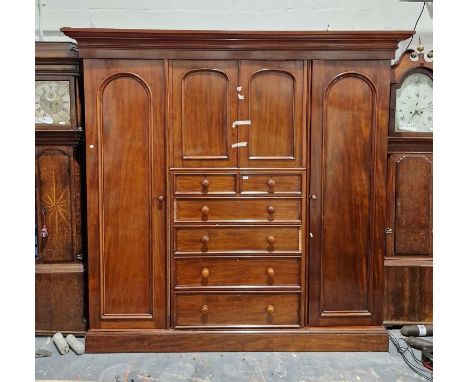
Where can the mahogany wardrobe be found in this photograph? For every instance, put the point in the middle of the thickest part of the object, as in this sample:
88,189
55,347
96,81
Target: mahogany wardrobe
236,189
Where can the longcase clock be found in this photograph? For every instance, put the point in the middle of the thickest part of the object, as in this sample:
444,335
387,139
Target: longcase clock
408,261
59,253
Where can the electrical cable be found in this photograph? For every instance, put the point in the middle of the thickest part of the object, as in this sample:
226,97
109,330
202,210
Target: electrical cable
418,368
415,25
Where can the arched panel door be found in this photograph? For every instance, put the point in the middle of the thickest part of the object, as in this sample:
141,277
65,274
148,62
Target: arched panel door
204,106
125,180
347,161
271,97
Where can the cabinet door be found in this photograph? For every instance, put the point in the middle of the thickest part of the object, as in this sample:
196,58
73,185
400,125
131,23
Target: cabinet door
409,208
125,177
273,97
58,203
348,153
204,107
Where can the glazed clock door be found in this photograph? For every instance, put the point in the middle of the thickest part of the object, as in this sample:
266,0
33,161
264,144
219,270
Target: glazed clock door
126,193
271,96
204,107
347,187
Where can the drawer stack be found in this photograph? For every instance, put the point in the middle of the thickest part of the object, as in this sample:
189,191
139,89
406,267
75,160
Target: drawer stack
237,244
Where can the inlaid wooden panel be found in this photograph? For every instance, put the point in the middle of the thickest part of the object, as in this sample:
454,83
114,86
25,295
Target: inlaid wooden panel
204,108
270,184
215,272
125,154
273,102
235,239
347,154
204,184
238,210
55,194
216,309
409,205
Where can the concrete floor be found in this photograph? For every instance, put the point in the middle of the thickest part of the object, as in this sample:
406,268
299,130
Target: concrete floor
201,367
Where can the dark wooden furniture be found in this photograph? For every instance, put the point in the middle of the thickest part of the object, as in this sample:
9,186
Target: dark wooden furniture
236,188
60,280
408,259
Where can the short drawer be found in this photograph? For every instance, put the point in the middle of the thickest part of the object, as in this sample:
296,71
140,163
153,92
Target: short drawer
213,272
271,184
204,184
263,210
236,239
217,309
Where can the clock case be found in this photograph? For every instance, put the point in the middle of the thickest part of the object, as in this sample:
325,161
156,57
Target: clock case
59,62
408,264
60,276
401,70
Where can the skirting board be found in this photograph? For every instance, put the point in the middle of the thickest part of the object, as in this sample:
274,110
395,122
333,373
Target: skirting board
368,338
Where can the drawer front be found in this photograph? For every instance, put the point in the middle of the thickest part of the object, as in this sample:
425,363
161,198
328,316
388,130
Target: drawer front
216,309
236,239
264,210
215,272
205,184
271,184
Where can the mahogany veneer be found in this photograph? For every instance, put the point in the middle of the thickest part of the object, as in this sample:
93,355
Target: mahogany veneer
236,188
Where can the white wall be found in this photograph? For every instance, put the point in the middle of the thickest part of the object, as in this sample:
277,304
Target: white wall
234,15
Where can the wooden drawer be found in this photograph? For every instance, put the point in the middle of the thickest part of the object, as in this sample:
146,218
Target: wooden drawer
246,309
237,239
213,272
271,183
204,184
263,210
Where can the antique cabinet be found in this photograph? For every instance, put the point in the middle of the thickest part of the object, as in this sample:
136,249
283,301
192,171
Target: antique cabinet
408,257
236,188
60,280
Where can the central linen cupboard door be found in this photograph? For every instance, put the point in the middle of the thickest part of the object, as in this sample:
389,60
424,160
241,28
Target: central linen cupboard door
204,106
125,183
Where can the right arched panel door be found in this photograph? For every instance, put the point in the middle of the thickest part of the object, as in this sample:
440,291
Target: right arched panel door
347,159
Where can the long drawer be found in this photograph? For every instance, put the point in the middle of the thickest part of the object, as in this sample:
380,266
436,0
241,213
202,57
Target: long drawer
246,309
225,272
229,210
237,239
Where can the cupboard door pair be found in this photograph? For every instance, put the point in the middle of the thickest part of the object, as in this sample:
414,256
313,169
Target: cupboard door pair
265,97
125,163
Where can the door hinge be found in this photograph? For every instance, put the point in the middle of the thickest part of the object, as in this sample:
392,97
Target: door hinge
388,231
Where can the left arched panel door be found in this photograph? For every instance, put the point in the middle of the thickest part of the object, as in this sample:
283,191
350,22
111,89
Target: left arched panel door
125,180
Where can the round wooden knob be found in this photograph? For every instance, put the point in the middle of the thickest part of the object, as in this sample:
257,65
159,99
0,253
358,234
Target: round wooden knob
205,210
271,240
204,309
205,183
271,183
270,309
314,197
271,209
205,239
270,272
205,273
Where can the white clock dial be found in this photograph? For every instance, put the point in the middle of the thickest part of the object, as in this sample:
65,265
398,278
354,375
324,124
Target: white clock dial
414,104
53,102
